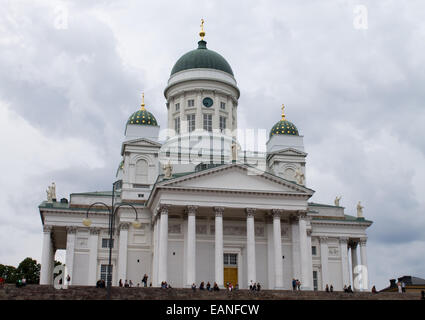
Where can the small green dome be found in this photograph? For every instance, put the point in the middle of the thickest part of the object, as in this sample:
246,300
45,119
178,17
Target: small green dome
202,58
284,127
142,117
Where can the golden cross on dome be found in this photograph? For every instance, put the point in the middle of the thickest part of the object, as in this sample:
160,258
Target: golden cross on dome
143,102
202,33
283,112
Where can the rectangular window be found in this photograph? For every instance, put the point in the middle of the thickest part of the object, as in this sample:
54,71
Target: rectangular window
230,259
208,122
190,103
190,122
313,250
315,283
105,242
223,105
177,106
104,272
177,125
222,123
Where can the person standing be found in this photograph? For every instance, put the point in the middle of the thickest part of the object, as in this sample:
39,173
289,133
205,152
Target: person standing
294,284
120,283
403,287
399,287
327,288
145,280
331,288
68,279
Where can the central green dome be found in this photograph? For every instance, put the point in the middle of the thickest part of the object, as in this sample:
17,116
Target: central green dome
202,58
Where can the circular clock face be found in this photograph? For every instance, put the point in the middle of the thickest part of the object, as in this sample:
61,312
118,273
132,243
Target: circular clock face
208,102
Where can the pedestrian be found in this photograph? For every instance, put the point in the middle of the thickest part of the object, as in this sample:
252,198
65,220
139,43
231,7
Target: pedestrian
237,286
68,279
294,284
345,288
126,284
24,282
120,283
202,286
130,284
349,290
250,285
403,287
298,285
399,287
145,280
327,288
258,286
331,288
208,286
374,290
193,286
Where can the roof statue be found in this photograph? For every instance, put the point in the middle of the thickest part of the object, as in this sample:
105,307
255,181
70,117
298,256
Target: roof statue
359,210
168,170
336,201
51,192
299,176
234,151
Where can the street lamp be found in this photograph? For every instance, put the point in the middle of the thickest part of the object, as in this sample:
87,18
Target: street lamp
112,211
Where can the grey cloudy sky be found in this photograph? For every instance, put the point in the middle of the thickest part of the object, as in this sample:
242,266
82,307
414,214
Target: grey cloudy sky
71,72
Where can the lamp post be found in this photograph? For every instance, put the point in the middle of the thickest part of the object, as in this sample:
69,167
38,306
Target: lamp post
112,211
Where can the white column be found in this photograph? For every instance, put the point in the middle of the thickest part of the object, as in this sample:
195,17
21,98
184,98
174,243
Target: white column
163,244
270,254
250,244
344,262
70,248
93,247
219,277
52,252
296,254
354,262
277,244
155,252
324,253
310,259
122,252
364,270
305,279
45,256
191,245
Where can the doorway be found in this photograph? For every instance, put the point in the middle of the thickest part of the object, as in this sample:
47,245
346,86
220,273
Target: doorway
230,262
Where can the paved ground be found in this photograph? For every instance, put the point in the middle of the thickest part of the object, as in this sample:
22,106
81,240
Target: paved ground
43,292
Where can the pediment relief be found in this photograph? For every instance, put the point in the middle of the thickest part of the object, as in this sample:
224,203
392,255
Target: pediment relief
237,177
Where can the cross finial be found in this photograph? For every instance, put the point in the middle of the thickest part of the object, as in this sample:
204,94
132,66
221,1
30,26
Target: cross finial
202,32
143,101
283,112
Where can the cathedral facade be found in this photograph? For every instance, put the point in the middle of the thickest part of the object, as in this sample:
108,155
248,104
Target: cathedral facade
190,204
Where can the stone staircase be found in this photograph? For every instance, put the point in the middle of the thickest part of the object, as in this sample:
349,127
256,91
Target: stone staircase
46,292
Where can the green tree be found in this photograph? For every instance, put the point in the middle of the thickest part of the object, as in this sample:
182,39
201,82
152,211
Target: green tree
8,273
30,270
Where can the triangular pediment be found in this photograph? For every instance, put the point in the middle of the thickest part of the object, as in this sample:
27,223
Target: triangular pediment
140,142
236,177
289,152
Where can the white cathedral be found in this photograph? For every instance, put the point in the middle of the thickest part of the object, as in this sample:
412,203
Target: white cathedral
207,210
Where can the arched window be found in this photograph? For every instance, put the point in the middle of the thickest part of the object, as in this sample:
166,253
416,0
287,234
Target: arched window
142,171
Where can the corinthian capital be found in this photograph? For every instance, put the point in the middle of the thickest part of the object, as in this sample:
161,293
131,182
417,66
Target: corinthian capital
277,213
163,208
191,210
218,211
47,228
250,212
